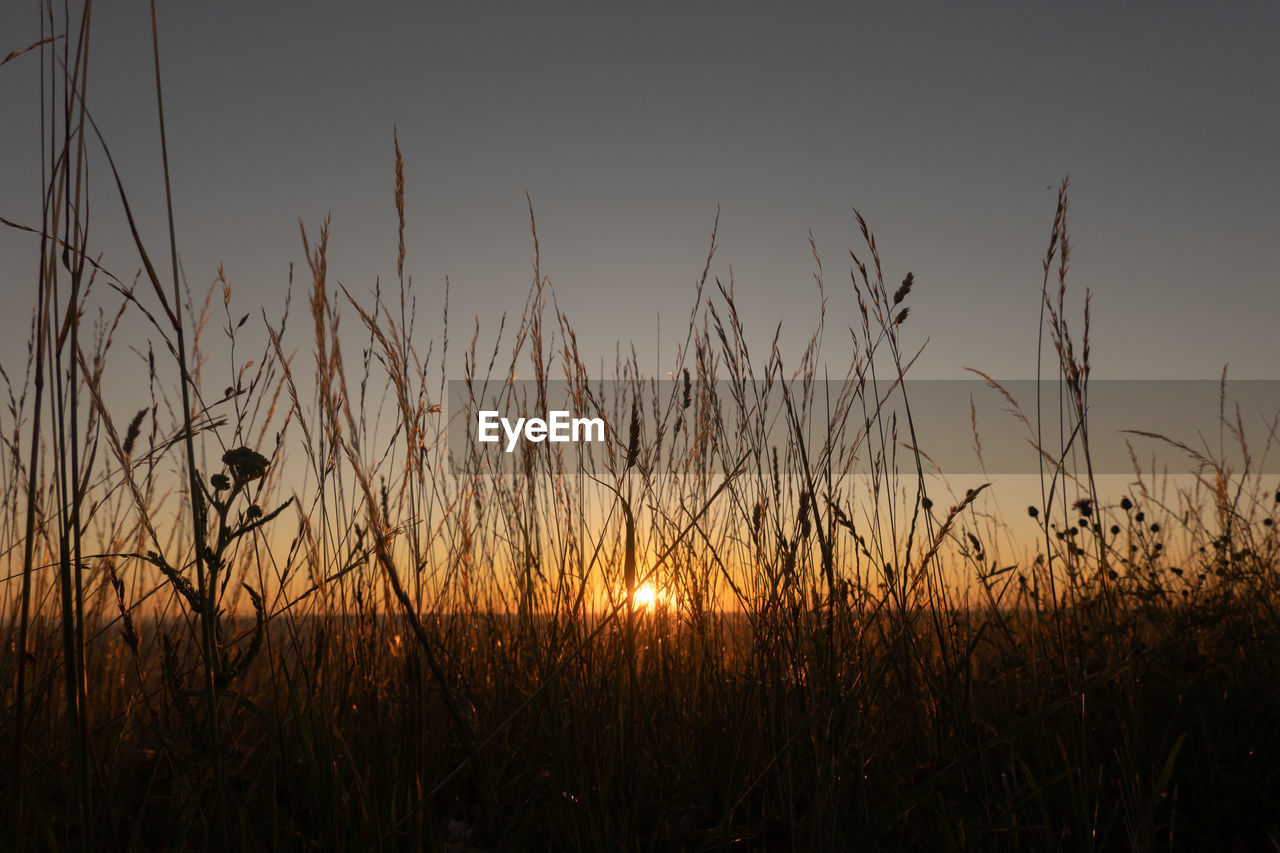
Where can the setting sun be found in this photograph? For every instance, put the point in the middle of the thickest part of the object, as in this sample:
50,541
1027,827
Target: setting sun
650,598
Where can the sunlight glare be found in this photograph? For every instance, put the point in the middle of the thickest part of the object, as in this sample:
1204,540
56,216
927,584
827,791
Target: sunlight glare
648,597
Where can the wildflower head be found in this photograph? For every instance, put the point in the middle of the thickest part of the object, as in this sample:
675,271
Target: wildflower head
245,464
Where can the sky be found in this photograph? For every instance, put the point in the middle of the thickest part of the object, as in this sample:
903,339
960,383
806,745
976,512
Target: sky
949,126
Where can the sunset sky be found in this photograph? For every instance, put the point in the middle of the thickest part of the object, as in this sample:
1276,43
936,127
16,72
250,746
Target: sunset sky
946,125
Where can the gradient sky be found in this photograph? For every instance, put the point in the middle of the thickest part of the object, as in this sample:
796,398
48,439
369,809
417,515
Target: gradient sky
946,125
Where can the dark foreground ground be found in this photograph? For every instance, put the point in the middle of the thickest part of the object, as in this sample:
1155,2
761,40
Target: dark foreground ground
1120,724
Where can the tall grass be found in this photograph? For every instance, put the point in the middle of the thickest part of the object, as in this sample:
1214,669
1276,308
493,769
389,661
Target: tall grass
274,609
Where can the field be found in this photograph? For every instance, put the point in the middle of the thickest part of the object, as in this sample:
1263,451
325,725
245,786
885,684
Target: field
273,608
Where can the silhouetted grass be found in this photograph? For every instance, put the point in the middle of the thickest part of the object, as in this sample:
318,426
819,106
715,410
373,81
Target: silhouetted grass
266,611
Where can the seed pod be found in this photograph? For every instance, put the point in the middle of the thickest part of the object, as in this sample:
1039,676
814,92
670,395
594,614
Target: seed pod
902,291
633,439
131,434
